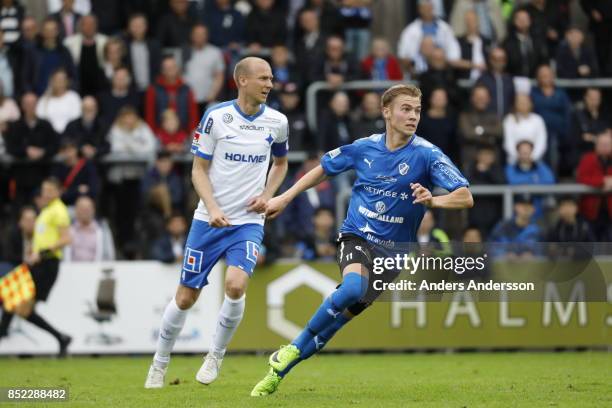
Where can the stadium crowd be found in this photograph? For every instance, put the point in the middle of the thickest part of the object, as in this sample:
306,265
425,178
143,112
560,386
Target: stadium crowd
105,95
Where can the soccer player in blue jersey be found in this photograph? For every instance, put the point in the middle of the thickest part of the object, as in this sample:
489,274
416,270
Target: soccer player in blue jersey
395,172
232,146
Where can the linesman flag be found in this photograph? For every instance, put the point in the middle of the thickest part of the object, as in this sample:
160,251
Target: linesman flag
16,287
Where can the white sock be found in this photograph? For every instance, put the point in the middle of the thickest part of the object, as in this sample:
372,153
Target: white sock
172,324
230,316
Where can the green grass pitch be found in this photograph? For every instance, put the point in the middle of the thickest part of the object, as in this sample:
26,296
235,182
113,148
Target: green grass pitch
567,379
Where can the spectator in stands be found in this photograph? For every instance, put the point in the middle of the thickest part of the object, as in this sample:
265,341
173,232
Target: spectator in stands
320,244
554,106
299,215
309,46
600,24
170,92
151,222
427,25
8,64
92,240
528,171
169,247
11,15
33,140
479,127
381,64
163,172
29,32
328,14
486,14
143,53
298,127
45,58
498,82
521,125
549,20
204,68
570,226
474,49
438,123
9,111
112,14
518,235
595,170
356,18
77,175
225,25
67,19
284,70
174,28
337,67
589,121
432,239
335,127
133,140
485,169
265,26
525,51
120,94
575,59
59,104
170,136
114,57
89,131
439,74
368,119
87,49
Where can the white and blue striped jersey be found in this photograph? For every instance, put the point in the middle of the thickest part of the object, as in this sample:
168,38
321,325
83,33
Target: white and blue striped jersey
238,146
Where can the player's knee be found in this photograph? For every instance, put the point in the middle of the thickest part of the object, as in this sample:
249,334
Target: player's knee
354,287
184,301
234,290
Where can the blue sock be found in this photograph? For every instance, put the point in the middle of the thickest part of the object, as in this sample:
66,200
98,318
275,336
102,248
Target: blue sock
352,289
317,343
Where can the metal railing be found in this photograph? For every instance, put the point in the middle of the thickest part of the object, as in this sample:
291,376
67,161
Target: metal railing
506,191
316,87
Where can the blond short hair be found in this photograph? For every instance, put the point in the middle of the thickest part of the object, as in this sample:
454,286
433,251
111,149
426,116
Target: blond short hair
397,90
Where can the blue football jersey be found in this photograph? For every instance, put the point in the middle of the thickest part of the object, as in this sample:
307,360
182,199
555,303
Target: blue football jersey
381,209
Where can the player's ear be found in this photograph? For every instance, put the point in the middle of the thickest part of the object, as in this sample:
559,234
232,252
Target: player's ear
386,111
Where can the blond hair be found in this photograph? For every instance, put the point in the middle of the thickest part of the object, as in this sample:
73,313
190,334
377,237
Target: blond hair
397,90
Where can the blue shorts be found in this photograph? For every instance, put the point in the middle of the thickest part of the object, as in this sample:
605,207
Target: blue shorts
205,245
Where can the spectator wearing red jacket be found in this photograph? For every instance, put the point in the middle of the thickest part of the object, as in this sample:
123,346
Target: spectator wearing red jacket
171,137
381,65
595,169
170,92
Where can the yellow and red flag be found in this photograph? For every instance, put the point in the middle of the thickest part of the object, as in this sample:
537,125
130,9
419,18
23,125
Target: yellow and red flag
16,287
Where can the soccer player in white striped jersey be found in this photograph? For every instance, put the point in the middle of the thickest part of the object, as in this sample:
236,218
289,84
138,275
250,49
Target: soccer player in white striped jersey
232,147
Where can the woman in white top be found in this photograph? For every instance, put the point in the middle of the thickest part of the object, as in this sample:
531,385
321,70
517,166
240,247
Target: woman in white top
521,125
59,104
130,139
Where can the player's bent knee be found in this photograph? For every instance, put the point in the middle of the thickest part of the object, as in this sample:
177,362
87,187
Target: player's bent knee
186,297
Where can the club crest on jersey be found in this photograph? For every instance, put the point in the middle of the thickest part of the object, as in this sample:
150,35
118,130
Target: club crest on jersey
227,118
193,260
403,168
380,207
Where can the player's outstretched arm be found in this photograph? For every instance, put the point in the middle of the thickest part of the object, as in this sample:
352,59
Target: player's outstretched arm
276,205
276,175
202,185
456,200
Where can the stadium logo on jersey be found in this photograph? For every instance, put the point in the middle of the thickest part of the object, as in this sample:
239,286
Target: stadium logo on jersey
381,207
386,179
227,118
403,168
334,153
252,127
246,158
193,260
252,251
209,125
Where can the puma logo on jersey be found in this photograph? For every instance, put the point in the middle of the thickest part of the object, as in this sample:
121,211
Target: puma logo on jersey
368,162
332,313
